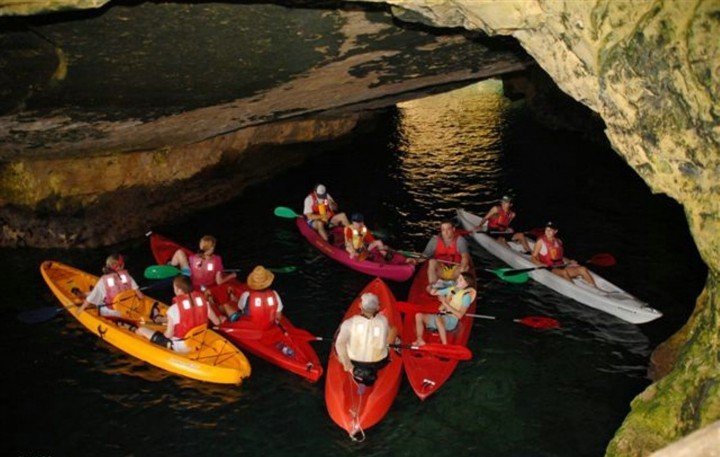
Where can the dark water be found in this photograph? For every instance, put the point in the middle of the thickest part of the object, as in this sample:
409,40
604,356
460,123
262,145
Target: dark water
525,393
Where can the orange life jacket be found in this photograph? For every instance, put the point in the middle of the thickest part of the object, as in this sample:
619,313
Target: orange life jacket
500,221
554,254
262,308
447,252
193,311
115,283
321,207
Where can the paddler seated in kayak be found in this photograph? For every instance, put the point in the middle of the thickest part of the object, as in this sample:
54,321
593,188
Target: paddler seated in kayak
454,303
359,242
321,211
260,305
189,313
362,341
115,279
498,221
204,268
448,255
549,251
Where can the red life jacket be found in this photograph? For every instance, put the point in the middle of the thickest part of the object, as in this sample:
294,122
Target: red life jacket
203,271
321,208
193,311
554,254
500,221
449,253
115,283
261,308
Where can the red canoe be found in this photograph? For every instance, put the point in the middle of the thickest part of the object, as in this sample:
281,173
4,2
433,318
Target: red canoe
285,345
349,406
395,269
427,372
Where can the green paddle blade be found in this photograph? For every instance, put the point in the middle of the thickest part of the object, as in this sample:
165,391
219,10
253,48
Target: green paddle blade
285,269
513,279
283,211
161,272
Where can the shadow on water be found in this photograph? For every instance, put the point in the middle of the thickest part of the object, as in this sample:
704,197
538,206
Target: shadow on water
533,393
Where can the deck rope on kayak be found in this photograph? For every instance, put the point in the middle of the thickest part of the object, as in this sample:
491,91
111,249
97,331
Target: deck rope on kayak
357,434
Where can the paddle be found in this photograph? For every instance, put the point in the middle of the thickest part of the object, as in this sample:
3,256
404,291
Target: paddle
602,260
518,278
40,315
169,271
284,211
419,255
540,322
535,232
448,351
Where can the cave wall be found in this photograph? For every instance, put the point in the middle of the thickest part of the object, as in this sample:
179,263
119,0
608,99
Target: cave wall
651,70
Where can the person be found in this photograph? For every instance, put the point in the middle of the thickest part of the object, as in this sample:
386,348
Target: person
115,280
260,305
321,211
454,303
448,255
204,268
362,341
189,311
549,251
359,241
498,219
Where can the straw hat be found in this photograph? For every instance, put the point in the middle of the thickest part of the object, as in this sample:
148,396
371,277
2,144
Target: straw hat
260,278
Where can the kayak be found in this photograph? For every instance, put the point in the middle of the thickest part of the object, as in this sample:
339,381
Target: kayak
394,269
353,407
284,345
214,358
428,372
608,297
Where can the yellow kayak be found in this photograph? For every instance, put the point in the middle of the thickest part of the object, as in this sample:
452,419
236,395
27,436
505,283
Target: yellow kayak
213,358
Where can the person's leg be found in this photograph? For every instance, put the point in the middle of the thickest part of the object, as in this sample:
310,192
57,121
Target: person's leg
419,329
523,241
340,219
563,273
574,272
320,228
180,259
442,333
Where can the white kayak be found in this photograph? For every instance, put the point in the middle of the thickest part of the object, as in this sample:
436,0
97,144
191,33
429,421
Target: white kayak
608,297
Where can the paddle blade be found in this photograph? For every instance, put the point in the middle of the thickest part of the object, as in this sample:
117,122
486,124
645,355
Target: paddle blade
512,276
602,260
39,315
161,272
448,351
539,322
283,211
285,269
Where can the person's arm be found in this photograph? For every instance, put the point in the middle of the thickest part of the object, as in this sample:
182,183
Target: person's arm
487,216
173,317
341,343
348,241
212,316
278,313
536,253
96,297
220,276
429,251
464,254
332,204
242,302
136,288
308,211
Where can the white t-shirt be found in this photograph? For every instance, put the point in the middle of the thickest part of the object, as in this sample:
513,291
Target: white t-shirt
98,294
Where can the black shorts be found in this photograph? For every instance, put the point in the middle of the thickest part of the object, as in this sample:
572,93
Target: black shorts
366,372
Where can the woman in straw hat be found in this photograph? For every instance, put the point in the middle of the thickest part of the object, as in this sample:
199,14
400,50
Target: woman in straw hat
260,305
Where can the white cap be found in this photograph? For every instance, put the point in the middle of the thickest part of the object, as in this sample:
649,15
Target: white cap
369,302
320,190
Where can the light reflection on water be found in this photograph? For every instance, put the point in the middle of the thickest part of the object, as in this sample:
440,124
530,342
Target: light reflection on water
432,156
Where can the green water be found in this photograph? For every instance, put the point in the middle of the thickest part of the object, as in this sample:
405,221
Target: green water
525,393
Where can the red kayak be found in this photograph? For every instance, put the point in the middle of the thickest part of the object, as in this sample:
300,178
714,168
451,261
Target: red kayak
284,345
353,407
428,372
394,269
